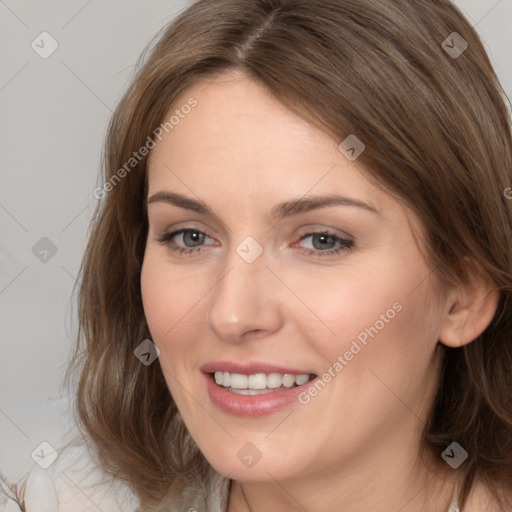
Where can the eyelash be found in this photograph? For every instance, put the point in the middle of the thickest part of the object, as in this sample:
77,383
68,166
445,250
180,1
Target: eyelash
346,244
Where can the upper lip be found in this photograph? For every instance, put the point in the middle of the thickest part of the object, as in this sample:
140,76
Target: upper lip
249,368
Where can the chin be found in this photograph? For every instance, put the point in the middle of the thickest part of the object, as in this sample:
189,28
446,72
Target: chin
248,463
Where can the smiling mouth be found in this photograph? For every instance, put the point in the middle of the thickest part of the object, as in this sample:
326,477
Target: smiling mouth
259,383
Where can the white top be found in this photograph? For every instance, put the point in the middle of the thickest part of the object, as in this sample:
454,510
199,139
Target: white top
73,483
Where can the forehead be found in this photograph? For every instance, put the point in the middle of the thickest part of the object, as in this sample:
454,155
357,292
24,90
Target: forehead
241,143
238,124
237,117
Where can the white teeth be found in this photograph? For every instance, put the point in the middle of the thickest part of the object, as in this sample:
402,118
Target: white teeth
301,379
247,391
257,381
274,380
240,383
288,380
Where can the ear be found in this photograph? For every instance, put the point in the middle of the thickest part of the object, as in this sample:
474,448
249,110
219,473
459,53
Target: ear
470,308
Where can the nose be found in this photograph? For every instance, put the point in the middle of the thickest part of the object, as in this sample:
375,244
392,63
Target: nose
245,300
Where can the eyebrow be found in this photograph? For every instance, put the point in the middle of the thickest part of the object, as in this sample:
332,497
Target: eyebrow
280,211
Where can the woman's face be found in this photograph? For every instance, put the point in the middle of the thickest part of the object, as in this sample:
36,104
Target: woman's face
268,287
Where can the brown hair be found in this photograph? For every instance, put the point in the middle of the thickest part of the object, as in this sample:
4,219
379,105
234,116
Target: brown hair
437,134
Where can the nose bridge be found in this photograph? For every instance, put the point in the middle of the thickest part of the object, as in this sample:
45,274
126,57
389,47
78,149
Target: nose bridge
242,300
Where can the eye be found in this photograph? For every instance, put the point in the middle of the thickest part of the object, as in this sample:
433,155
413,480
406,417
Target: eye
190,237
191,240
324,243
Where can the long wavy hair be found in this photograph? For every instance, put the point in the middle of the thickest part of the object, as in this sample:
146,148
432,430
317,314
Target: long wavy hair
438,136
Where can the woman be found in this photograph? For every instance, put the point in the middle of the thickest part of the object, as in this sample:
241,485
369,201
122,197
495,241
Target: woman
296,294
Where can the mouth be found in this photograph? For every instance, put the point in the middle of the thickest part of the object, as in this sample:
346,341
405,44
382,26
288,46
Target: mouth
259,383
254,389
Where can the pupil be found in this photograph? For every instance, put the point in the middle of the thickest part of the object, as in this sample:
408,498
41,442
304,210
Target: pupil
323,239
195,236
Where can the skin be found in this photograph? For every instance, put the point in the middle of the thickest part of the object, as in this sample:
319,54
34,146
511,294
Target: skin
356,442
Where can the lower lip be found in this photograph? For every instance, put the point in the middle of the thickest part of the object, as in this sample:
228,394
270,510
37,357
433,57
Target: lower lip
251,405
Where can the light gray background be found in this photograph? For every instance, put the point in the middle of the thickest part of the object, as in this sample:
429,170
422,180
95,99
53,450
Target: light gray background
53,117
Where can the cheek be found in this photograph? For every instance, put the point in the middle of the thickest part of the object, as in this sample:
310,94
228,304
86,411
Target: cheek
342,305
170,300
155,299
383,314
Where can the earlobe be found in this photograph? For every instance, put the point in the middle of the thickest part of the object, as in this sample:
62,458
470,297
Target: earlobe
470,309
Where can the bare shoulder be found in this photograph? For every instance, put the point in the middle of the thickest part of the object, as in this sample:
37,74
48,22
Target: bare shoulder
482,500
